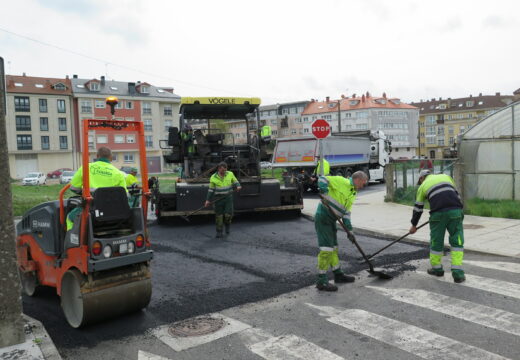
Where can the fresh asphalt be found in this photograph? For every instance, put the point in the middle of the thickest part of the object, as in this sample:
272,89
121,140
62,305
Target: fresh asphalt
194,273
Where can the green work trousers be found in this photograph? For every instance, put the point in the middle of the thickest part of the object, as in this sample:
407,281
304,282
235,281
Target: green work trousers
325,225
223,211
450,220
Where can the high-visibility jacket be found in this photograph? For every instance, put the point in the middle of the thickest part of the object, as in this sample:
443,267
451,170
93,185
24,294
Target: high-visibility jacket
326,167
131,180
340,193
187,138
440,192
222,186
266,131
101,174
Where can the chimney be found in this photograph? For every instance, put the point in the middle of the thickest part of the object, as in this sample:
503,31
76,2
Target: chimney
449,98
440,99
354,95
470,95
342,96
131,88
327,99
496,94
479,94
363,98
23,74
384,95
368,94
102,80
67,77
433,99
74,76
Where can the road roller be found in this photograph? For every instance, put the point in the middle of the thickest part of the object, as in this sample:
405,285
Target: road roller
101,267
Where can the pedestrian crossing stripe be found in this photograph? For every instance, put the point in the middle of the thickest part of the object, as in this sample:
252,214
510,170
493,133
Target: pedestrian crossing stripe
496,265
482,283
461,309
419,342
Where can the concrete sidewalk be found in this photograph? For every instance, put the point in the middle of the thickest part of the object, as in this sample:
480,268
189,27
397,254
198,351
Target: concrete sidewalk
372,216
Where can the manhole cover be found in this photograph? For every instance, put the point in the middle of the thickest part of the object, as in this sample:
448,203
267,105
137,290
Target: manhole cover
196,327
472,226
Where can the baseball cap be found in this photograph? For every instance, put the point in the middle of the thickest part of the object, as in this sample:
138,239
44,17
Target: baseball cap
423,173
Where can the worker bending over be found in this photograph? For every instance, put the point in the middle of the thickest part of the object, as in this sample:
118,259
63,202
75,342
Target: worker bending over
101,174
340,194
445,214
220,194
132,186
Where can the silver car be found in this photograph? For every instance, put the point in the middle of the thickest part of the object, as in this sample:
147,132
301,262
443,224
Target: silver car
66,177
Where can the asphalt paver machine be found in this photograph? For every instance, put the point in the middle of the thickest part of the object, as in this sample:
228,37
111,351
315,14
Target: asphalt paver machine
213,141
101,267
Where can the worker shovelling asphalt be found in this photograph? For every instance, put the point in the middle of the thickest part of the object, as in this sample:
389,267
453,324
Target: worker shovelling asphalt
338,195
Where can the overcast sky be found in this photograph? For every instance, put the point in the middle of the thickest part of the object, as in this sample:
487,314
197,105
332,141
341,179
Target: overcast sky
279,50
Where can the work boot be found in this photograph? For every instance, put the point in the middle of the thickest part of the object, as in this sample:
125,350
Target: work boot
227,226
342,278
326,287
459,279
219,234
436,272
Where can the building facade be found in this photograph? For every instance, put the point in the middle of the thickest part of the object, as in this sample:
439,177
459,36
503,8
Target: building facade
399,121
441,121
39,124
156,107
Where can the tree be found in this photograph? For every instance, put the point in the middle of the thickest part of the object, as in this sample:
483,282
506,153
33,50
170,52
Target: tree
11,322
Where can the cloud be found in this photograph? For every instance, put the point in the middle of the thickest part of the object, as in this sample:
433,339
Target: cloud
495,21
81,7
451,24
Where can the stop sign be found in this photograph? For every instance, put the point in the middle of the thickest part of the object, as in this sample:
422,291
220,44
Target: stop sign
320,129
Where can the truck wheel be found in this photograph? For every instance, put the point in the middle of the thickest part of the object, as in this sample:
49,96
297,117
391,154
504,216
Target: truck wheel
29,282
348,173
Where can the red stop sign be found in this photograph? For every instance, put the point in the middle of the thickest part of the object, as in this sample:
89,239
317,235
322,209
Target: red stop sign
320,129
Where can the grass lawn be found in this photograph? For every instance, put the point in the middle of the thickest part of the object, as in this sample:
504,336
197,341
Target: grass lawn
273,173
26,197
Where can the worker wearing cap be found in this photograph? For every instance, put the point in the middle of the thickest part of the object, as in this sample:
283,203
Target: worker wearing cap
132,185
101,174
265,134
339,193
445,214
220,193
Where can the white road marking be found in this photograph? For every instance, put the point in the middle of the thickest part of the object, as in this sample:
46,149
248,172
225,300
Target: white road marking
422,343
182,343
143,355
496,265
287,347
483,283
461,309
291,347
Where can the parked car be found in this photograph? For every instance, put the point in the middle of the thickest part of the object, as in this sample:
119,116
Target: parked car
66,177
57,173
265,165
34,178
126,169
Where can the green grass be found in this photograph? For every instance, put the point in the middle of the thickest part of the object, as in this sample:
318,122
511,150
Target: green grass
273,173
26,197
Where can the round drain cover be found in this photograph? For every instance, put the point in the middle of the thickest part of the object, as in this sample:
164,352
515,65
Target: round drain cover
472,226
196,327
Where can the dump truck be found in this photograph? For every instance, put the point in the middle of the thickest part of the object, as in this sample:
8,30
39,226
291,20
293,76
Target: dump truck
101,267
212,142
346,152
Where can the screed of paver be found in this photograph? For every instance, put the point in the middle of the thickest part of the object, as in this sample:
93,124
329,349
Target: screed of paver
180,343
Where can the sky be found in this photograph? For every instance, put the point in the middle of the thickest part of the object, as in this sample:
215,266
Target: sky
278,50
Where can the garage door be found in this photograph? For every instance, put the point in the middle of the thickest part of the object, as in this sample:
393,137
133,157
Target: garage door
154,164
25,163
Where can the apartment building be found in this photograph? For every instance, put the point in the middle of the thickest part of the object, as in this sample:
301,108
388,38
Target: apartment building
399,121
441,121
156,107
39,124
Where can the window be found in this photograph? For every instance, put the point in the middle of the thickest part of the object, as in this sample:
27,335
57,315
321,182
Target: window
119,139
91,141
24,142
43,105
430,130
431,120
450,130
63,143
452,140
462,129
430,140
440,130
129,105
130,139
44,124
45,143
114,156
305,131
470,103
86,106
148,140
167,124
361,126
361,114
119,105
23,123
285,111
347,115
129,157
147,108
145,89
440,142
273,122
102,139
237,135
100,104
293,131
21,103
129,118
62,122
61,106
275,132
147,124
94,86
168,110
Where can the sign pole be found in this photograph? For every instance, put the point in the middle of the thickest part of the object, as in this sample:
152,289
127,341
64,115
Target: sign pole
322,171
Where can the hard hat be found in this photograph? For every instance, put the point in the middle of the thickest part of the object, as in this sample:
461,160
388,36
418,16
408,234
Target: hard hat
132,170
422,174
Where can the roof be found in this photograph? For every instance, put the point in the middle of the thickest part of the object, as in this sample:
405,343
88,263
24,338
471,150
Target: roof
355,103
36,85
121,88
460,104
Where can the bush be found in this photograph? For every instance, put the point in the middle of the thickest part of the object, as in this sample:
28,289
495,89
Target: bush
508,209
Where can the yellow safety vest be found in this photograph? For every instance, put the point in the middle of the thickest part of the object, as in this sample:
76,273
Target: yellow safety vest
222,186
101,174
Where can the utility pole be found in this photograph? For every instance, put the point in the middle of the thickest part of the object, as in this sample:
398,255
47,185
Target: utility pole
339,115
11,322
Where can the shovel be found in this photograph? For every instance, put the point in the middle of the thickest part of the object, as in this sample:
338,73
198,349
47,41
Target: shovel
392,243
186,217
371,270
